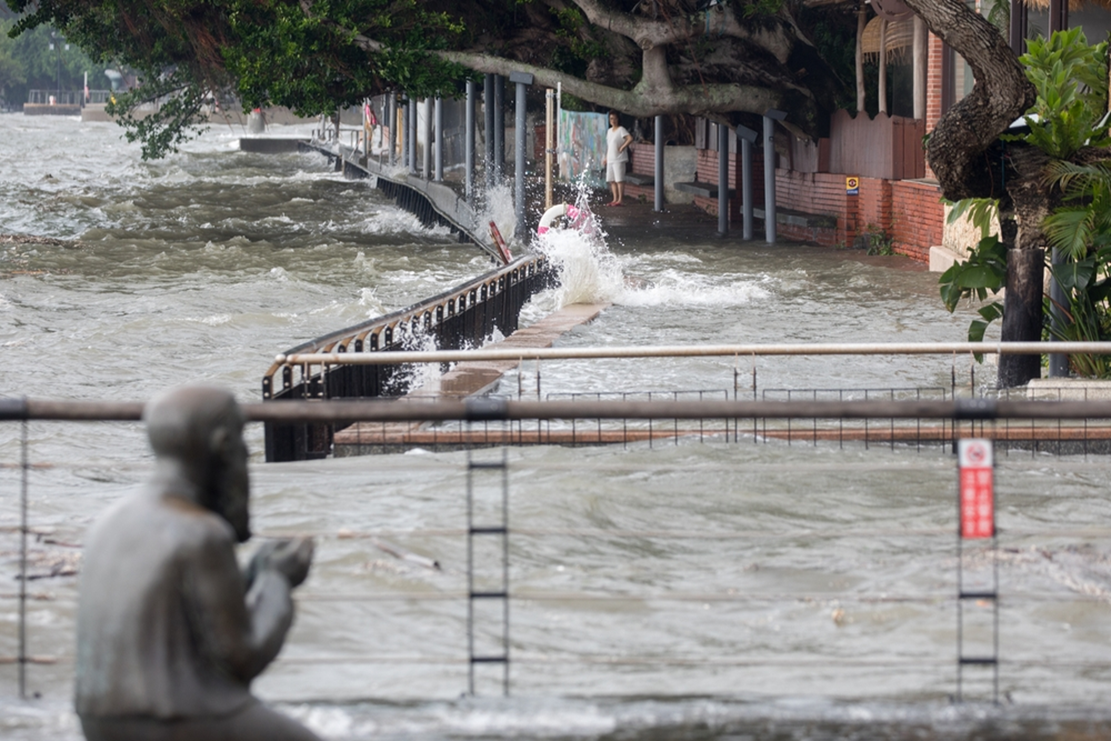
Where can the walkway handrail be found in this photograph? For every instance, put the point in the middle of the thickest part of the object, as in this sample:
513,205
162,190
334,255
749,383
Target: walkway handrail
488,409
351,339
694,351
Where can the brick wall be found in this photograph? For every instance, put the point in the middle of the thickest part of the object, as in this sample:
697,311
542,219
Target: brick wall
708,173
817,193
917,218
908,211
935,49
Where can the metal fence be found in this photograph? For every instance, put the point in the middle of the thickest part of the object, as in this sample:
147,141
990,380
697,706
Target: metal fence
470,591
741,384
465,316
67,97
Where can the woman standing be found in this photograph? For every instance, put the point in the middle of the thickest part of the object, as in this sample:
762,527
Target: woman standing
617,141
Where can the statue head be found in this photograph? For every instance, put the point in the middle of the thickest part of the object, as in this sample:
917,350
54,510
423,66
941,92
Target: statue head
200,431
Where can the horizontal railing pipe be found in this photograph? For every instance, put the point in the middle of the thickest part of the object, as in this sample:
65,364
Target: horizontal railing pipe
485,409
692,351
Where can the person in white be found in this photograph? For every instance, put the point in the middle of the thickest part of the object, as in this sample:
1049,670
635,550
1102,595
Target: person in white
617,142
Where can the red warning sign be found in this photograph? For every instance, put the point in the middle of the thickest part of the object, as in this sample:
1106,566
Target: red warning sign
977,488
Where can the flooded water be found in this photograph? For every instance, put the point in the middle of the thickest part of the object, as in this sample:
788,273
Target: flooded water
701,590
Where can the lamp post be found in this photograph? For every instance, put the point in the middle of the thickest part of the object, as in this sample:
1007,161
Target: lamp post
56,47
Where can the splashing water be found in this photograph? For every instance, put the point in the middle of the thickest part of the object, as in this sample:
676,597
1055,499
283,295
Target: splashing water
497,206
589,272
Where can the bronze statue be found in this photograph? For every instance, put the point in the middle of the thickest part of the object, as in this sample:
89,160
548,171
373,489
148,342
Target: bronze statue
170,633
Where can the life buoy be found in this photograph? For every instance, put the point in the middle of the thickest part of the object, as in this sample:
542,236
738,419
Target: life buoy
553,213
500,243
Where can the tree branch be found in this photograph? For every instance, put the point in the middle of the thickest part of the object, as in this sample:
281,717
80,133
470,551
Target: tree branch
1000,95
642,101
716,21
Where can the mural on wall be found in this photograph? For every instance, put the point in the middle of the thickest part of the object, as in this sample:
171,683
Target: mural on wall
582,145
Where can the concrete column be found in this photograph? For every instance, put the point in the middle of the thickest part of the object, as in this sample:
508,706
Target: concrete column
391,119
488,134
522,81
499,127
658,172
723,180
439,124
404,134
426,134
412,135
883,66
920,63
468,174
748,137
770,117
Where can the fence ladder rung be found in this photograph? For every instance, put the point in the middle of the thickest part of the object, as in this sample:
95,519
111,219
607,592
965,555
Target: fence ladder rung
979,595
490,659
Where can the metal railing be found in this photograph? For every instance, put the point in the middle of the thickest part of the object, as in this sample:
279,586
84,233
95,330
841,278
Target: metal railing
1033,435
533,664
465,316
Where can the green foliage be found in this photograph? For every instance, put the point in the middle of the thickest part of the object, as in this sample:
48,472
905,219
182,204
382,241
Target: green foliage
981,212
761,8
1071,81
577,45
1087,317
878,243
174,117
1084,220
28,62
260,52
983,274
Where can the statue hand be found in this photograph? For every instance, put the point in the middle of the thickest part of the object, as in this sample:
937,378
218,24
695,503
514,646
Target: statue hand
290,557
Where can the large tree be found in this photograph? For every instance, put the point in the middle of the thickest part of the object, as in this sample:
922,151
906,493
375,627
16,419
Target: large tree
643,57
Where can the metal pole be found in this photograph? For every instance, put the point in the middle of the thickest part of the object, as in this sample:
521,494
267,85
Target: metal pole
770,117
687,351
1058,362
549,144
404,130
522,81
488,133
499,127
659,165
439,122
426,148
723,180
468,175
25,466
391,119
747,136
412,135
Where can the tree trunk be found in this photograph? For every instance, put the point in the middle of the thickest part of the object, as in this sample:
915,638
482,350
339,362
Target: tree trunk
1022,315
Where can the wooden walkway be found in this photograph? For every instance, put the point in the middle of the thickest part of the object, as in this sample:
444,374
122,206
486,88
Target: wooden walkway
469,378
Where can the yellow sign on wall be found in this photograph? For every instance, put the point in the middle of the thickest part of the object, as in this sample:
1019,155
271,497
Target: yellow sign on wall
852,185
